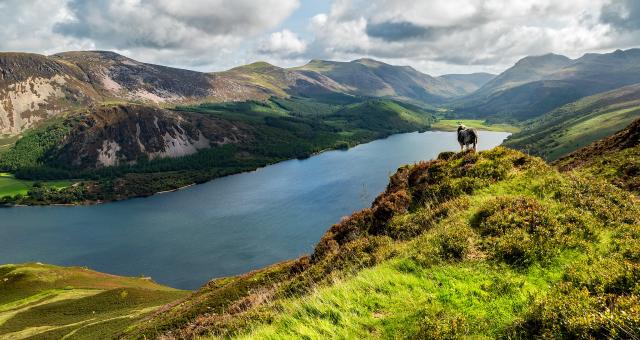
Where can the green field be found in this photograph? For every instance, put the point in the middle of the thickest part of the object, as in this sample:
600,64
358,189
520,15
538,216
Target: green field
11,186
45,301
452,125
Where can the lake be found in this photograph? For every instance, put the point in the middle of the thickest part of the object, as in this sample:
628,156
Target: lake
224,227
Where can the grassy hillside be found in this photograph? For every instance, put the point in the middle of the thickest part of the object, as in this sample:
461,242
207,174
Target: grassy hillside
490,244
242,135
44,301
452,125
11,186
615,158
577,124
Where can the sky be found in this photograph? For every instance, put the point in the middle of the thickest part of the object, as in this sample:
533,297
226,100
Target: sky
433,36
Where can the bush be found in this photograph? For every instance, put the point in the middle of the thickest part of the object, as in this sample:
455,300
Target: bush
520,230
450,242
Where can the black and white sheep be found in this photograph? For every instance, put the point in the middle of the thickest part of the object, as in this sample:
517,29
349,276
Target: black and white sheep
466,137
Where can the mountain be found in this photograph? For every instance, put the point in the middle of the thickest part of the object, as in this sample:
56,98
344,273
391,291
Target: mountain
116,151
34,88
369,77
577,124
526,70
536,85
468,83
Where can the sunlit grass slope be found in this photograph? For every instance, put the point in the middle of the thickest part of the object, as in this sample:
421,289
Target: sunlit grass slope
578,124
45,301
11,186
490,244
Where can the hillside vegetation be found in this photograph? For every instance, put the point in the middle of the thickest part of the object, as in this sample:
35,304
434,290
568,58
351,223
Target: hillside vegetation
489,244
577,124
536,85
615,158
121,151
493,244
46,302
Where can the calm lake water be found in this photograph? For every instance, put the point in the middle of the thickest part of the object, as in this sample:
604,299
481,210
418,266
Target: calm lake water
224,227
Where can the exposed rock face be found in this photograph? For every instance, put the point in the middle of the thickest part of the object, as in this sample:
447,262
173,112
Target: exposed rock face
125,134
34,87
120,77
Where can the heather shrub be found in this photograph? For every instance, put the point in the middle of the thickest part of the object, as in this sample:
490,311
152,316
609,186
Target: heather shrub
407,226
520,230
605,201
570,312
626,241
450,242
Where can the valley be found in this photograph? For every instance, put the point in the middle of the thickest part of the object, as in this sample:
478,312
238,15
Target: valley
118,128
332,199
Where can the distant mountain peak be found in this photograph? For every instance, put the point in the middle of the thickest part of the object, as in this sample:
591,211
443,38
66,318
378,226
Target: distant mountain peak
544,58
258,66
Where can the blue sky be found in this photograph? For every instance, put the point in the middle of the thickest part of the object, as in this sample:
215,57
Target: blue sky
433,36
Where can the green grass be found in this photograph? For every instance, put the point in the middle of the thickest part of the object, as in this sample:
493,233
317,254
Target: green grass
488,245
452,125
589,130
578,124
398,298
11,186
47,301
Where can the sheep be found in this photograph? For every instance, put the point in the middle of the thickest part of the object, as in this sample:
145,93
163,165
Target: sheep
466,137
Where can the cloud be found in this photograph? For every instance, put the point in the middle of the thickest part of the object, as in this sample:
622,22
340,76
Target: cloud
164,24
467,34
283,44
622,14
435,36
181,33
27,26
395,31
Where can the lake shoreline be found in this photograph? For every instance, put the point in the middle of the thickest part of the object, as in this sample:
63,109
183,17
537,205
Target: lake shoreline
96,202
224,227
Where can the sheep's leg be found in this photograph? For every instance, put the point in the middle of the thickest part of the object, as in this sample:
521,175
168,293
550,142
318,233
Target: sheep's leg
461,147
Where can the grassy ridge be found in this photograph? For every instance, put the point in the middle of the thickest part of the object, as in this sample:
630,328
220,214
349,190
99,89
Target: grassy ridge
577,124
498,266
46,301
490,244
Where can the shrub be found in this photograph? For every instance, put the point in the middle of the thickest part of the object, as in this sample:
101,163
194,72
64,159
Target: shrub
573,313
450,242
521,231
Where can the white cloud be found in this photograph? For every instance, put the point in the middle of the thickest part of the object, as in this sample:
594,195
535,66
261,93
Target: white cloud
435,36
183,33
441,35
284,44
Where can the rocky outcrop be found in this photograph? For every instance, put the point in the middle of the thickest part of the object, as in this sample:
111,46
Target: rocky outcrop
127,134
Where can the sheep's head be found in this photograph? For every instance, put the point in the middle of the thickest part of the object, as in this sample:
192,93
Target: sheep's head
461,127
